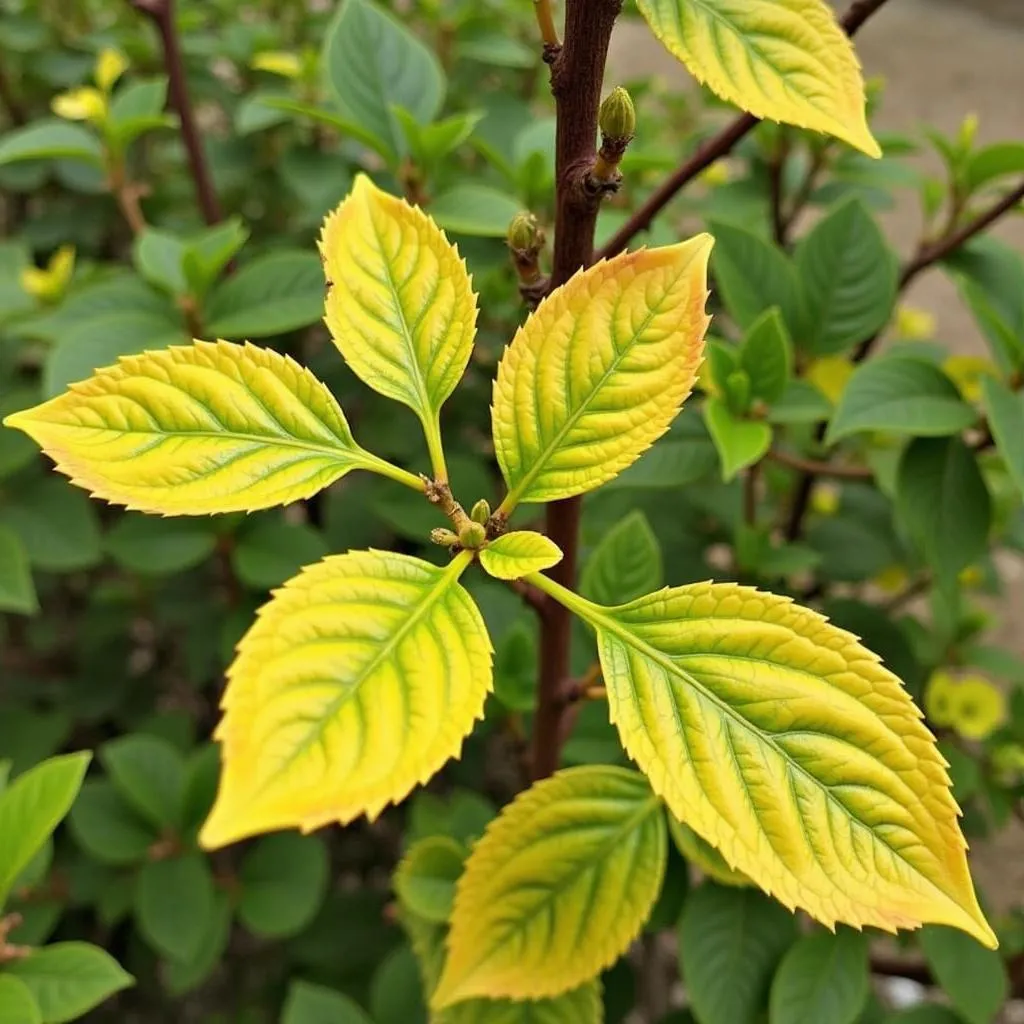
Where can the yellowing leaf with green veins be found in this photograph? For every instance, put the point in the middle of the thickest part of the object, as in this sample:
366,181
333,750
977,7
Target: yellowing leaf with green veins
785,744
582,1005
597,374
703,855
400,304
359,679
190,430
785,60
558,887
516,555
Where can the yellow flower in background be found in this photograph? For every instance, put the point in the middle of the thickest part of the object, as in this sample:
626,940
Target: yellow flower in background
971,577
892,579
82,104
970,705
111,64
49,284
966,373
716,174
277,62
914,324
830,376
825,499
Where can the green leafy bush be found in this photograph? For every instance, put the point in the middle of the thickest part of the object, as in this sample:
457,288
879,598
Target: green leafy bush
165,173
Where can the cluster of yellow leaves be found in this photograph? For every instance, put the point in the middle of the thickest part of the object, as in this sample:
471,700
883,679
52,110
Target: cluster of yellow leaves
88,103
49,283
968,704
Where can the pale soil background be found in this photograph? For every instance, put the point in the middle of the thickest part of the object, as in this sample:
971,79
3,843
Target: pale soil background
942,60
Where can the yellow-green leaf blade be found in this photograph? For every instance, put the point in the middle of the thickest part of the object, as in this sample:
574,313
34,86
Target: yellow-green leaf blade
597,374
786,60
517,554
785,744
400,303
192,430
557,888
704,856
359,679
582,1005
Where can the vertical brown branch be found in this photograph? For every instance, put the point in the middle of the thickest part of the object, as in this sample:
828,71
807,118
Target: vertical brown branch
162,14
577,73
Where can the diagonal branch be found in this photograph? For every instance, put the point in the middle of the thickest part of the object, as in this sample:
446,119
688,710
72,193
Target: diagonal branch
713,149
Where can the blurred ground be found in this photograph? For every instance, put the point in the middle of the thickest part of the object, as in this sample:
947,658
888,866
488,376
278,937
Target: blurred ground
942,60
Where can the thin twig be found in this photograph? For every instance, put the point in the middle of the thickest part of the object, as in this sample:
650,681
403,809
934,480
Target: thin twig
712,150
162,14
531,595
776,189
819,467
750,478
546,24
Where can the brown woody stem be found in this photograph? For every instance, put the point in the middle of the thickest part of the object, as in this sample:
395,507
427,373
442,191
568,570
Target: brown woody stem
162,14
577,73
713,149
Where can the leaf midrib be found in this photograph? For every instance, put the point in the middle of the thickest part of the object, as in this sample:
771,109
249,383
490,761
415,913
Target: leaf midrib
629,638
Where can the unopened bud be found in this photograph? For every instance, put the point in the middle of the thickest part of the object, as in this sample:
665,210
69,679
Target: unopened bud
472,535
617,118
481,512
524,233
446,538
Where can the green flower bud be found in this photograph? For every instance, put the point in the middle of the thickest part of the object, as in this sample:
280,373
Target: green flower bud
524,233
472,535
481,512
617,118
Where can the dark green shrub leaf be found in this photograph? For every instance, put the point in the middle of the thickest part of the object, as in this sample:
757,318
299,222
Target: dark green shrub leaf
56,523
848,276
470,209
994,161
138,108
69,978
944,503
625,565
51,140
924,1015
159,547
314,1004
669,463
903,395
767,356
823,978
730,942
17,591
149,775
1005,409
183,976
396,992
273,294
739,442
425,879
31,807
972,976
515,668
284,881
272,551
159,257
107,829
174,902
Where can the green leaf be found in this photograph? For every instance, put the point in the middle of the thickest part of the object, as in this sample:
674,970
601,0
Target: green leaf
753,275
342,124
994,161
57,524
1005,410
68,979
51,140
396,991
149,775
579,854
138,108
374,63
209,252
106,829
31,807
307,1003
942,499
973,977
625,564
517,554
283,880
823,978
17,591
515,668
174,901
740,443
425,879
475,210
801,402
14,300
159,547
848,277
17,1005
730,942
580,1006
767,356
928,1014
272,551
182,976
903,395
159,257
273,294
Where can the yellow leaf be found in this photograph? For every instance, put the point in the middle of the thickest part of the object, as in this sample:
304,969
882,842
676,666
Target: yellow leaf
704,856
597,374
110,66
913,324
966,372
400,304
277,62
582,1005
558,887
830,375
359,679
83,104
971,705
50,284
518,554
190,430
786,60
785,744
